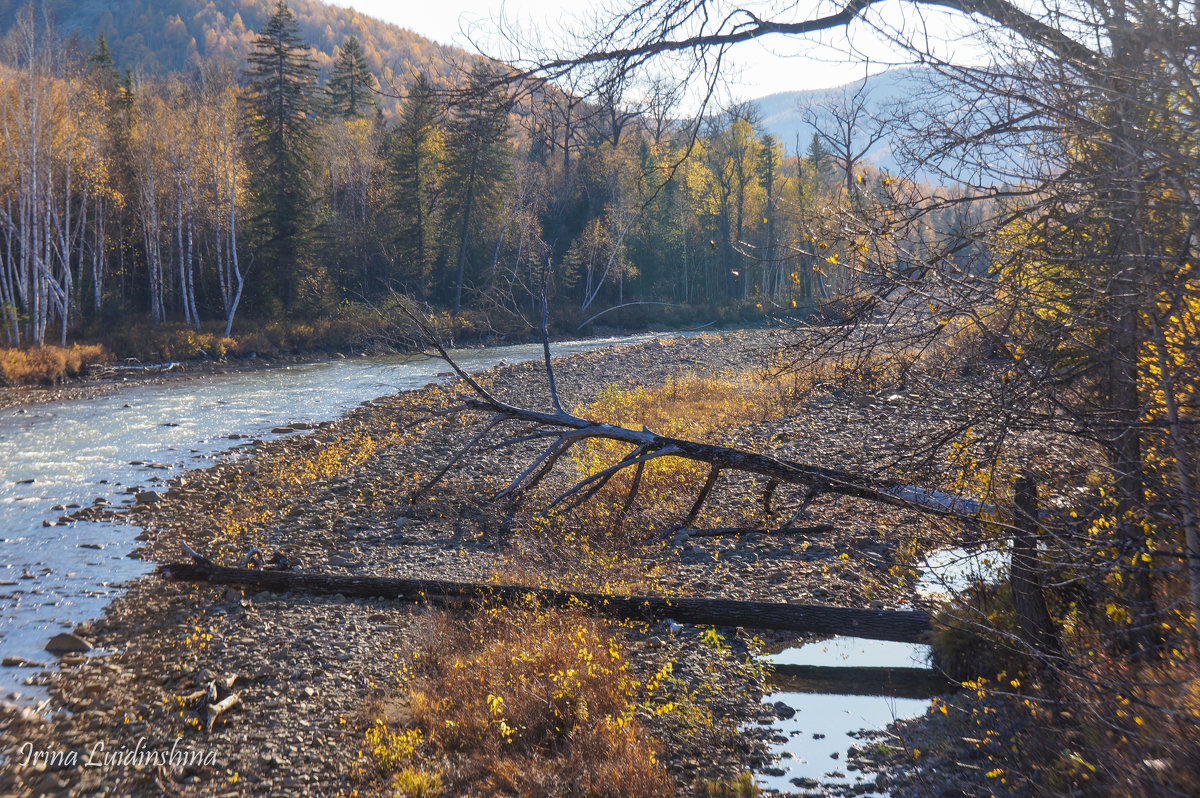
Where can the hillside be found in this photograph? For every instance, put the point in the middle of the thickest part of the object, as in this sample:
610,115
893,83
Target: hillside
786,114
161,36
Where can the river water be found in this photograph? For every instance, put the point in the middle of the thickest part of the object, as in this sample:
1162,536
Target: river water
69,453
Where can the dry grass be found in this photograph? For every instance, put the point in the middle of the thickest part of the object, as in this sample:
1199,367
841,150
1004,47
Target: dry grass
523,701
702,409
47,365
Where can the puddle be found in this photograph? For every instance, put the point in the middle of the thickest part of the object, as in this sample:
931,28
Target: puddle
839,688
949,571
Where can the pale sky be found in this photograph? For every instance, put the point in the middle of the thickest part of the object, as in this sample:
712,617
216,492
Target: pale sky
762,67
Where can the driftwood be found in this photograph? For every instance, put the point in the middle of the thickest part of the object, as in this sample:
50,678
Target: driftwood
902,626
214,711
214,700
559,431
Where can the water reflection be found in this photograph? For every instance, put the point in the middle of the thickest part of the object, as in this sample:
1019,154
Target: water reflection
837,689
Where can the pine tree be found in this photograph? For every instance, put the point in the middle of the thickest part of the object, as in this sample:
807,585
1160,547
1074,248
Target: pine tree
101,59
282,81
820,160
351,83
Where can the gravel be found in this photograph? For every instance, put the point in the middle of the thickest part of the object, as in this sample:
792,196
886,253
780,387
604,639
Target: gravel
308,668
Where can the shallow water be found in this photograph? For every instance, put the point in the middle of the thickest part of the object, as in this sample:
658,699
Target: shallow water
72,452
826,725
949,571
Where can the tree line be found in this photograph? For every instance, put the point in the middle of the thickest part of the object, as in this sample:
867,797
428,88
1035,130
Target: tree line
253,189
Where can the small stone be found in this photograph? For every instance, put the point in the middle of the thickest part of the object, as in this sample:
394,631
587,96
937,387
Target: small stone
20,662
783,711
148,496
67,643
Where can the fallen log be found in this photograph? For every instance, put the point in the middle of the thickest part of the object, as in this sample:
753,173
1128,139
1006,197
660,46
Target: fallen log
898,625
559,431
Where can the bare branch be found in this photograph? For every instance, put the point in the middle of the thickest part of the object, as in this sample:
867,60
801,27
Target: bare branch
700,498
495,422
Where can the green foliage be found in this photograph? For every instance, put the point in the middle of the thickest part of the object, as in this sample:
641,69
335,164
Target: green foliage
415,151
282,80
477,175
351,84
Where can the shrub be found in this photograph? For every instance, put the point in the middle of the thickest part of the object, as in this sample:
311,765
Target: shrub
47,364
528,701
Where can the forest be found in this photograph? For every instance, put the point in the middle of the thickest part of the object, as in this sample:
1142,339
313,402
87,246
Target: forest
254,191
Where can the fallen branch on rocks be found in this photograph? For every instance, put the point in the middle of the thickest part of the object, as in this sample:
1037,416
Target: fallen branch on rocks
561,431
214,711
897,625
212,701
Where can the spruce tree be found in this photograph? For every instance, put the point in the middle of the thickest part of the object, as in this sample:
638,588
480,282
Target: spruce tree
479,140
351,84
101,59
820,159
282,79
415,158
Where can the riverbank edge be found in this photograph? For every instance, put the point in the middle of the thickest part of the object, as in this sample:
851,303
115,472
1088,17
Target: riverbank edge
88,386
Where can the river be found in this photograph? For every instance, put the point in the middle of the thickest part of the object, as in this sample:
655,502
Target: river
60,455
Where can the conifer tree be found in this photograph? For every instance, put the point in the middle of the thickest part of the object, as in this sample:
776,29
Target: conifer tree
351,85
282,81
478,137
101,59
415,159
820,160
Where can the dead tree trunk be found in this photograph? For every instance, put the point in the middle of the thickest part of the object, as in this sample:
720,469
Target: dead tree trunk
1028,600
902,626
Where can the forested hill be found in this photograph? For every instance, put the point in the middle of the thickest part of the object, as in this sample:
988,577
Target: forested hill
794,116
161,36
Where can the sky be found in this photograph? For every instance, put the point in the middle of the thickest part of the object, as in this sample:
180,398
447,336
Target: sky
760,67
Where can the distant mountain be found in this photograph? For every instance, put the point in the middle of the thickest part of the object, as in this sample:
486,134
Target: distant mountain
161,36
786,115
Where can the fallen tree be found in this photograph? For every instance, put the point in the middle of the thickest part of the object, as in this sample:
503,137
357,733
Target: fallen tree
898,625
561,431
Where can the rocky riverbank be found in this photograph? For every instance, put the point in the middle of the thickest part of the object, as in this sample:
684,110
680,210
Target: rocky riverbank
310,673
